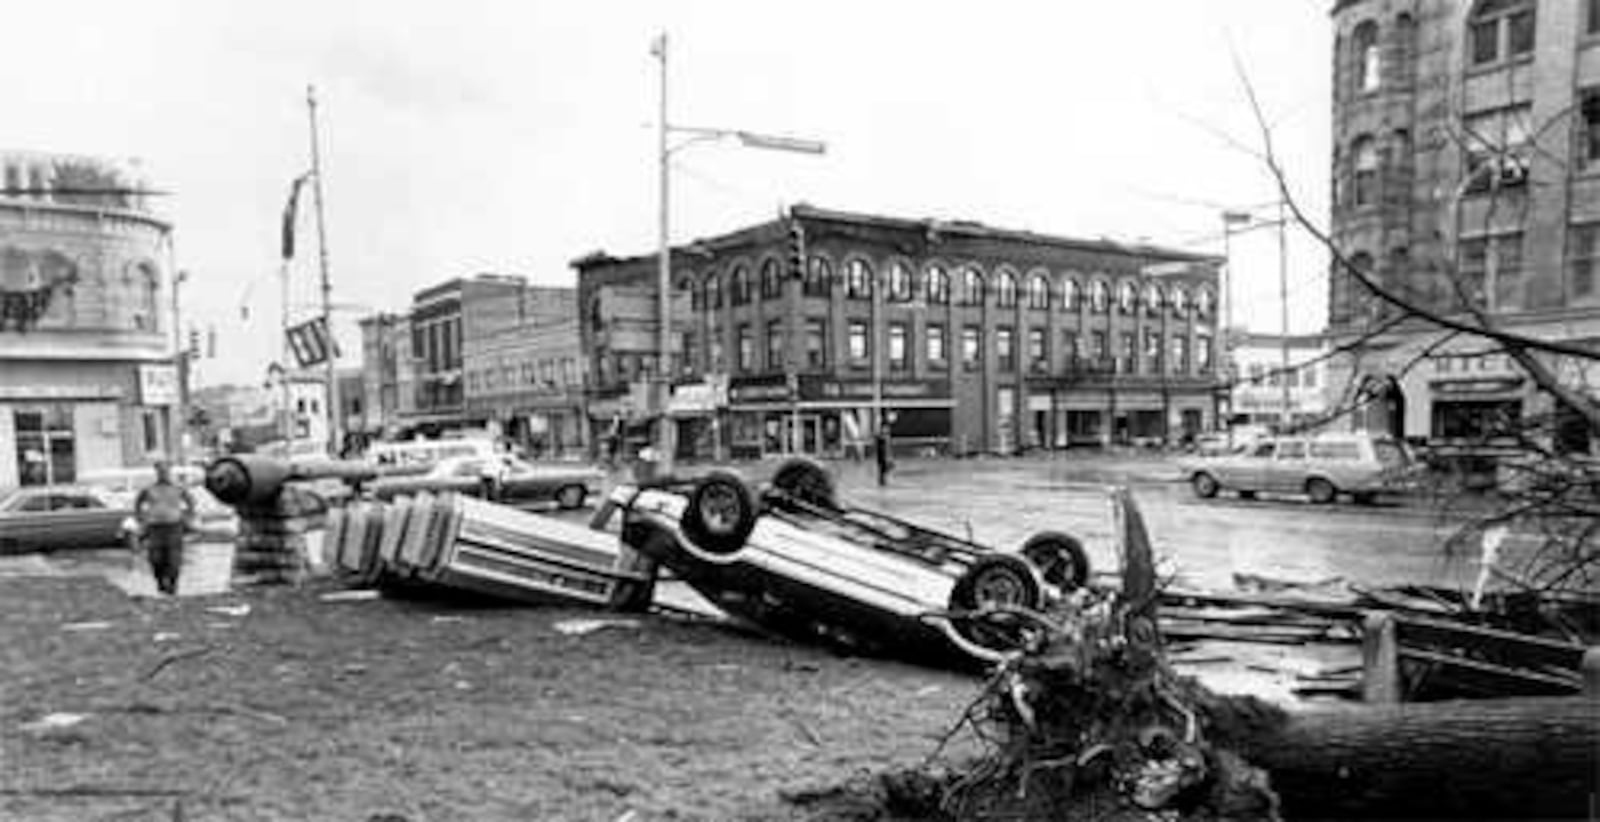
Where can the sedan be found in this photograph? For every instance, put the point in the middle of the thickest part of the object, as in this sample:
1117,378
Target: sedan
790,558
503,479
50,517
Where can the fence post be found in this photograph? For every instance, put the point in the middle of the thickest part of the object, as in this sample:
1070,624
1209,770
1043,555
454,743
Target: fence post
1380,659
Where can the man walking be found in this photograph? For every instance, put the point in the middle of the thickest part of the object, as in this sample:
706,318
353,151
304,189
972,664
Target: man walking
164,510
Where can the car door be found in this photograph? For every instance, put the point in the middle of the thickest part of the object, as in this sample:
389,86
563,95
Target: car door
1286,472
1247,470
25,522
81,520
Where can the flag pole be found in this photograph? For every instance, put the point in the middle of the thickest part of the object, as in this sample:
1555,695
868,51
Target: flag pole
330,393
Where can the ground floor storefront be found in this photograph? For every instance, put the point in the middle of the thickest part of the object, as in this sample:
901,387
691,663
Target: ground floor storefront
61,421
1066,416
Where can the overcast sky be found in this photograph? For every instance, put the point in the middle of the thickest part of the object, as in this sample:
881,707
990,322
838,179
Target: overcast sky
512,137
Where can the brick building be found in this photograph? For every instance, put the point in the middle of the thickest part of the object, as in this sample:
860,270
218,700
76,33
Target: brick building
1466,173
528,379
87,377
968,338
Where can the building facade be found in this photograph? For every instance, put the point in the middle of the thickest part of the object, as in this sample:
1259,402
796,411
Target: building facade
1466,177
805,331
87,376
528,380
1264,387
388,381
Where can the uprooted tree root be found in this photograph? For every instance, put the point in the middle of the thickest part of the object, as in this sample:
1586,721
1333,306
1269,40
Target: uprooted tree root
1091,723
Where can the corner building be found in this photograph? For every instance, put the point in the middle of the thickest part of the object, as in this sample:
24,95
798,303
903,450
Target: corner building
1466,174
969,338
87,377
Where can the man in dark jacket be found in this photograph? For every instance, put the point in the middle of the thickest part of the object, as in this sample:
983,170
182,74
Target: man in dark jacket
164,510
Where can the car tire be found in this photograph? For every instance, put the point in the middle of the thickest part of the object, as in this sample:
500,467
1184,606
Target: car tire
1060,559
720,514
571,497
995,579
1321,491
808,481
1205,486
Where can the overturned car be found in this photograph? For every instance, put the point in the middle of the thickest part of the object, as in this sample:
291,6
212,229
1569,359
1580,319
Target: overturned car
788,556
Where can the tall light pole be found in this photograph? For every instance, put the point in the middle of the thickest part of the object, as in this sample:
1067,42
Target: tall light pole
1283,309
663,374
180,367
330,393
1230,219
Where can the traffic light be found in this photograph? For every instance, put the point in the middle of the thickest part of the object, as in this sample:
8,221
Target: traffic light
211,342
797,249
194,342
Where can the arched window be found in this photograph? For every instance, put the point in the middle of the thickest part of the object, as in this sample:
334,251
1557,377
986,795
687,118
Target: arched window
771,280
1038,291
819,277
899,282
1099,297
1365,190
1127,297
1500,30
740,285
938,285
971,287
1179,299
858,279
1405,49
713,298
1005,289
1369,57
1204,302
1152,300
1069,294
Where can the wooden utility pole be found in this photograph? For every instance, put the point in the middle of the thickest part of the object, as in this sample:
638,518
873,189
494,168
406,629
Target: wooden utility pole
330,394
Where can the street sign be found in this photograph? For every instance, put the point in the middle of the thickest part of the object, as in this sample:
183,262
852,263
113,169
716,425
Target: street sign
311,343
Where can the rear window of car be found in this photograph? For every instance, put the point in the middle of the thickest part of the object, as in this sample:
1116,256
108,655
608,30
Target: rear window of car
1338,450
1291,450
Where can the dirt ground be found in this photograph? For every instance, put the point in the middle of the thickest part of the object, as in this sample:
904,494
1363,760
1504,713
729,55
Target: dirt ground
300,708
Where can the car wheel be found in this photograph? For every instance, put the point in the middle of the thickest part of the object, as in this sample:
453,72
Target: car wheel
571,496
808,481
1321,491
1060,559
720,514
995,580
1205,486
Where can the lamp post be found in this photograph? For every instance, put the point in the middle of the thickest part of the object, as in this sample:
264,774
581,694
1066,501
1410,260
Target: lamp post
664,151
1230,219
180,368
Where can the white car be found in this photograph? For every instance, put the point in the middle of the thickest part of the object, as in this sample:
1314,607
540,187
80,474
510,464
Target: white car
1322,467
790,558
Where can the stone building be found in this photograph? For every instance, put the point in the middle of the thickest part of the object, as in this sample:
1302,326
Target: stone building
87,376
527,378
801,331
1466,173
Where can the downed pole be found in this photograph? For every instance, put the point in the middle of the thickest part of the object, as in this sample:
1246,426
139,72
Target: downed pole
1091,722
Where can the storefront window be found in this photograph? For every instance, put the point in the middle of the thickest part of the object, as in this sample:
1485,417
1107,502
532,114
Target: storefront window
46,451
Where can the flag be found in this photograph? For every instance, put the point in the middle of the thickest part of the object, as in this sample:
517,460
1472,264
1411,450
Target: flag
658,46
289,215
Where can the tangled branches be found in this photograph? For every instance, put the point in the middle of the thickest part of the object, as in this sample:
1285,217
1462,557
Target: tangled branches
1090,722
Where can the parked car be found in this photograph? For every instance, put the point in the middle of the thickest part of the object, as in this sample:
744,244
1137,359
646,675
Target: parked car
790,557
51,517
500,478
1322,467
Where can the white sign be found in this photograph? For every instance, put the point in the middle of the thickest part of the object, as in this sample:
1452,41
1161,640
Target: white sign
158,385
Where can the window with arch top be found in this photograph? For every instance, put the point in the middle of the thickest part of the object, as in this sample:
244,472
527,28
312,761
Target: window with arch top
1038,291
1005,289
771,280
1368,55
1500,30
740,286
1069,294
713,291
819,278
1179,300
1127,297
1152,300
900,286
1099,297
938,285
971,287
858,279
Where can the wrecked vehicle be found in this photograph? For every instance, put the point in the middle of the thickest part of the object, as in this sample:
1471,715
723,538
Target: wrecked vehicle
788,556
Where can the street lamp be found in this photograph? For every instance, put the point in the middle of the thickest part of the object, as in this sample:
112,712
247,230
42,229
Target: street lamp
663,379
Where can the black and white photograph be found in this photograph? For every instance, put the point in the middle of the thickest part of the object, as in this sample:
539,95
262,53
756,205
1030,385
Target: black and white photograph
714,410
